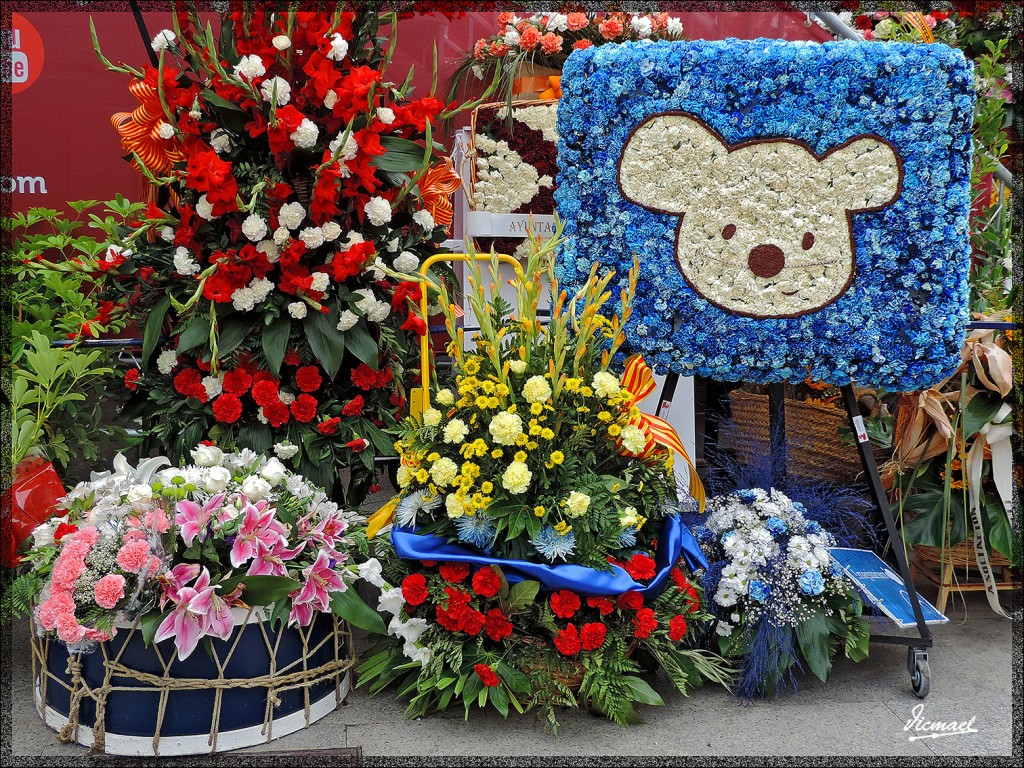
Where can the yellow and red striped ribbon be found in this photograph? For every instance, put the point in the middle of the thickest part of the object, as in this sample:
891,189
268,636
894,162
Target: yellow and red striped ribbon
140,131
638,381
436,188
916,20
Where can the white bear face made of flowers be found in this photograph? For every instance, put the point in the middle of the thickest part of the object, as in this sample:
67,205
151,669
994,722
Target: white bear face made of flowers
765,227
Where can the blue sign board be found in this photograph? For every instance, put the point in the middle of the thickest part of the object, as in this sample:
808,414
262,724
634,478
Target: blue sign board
883,587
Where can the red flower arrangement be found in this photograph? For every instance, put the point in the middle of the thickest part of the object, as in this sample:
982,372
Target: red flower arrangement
274,272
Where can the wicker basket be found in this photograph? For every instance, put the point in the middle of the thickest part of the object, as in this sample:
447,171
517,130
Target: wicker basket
955,569
814,448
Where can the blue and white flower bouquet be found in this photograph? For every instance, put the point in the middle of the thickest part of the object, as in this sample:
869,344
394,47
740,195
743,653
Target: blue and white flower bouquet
777,594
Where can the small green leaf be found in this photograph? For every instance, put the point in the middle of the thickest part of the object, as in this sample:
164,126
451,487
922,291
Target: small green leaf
522,595
349,606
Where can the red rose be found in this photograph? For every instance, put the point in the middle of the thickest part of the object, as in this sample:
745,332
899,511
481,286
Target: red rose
64,529
455,573
303,408
131,379
277,414
568,641
227,408
354,407
864,21
308,378
486,675
265,392
603,604
414,588
237,382
496,625
486,582
592,635
330,426
640,567
631,600
644,623
564,603
676,628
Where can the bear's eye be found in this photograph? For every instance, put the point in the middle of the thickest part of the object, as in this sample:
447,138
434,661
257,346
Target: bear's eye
808,242
728,231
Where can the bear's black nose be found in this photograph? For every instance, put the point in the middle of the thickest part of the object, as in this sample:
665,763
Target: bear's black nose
766,260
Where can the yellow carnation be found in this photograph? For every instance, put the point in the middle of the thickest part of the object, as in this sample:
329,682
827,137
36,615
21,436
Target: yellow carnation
633,439
536,389
445,397
431,417
517,367
444,471
505,428
577,504
455,431
606,384
404,476
516,479
454,505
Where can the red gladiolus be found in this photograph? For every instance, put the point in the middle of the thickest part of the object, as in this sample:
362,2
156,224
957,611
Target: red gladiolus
631,600
303,408
308,378
564,603
592,635
486,675
414,324
330,426
603,604
568,641
414,588
455,573
644,623
227,408
496,625
676,628
131,379
486,582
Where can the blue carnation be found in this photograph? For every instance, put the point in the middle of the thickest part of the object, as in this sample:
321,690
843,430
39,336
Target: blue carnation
811,583
759,590
776,526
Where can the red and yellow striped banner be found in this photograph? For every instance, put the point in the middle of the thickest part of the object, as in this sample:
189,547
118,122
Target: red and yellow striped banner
140,131
436,188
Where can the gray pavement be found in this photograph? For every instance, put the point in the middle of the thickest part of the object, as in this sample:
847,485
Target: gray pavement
862,711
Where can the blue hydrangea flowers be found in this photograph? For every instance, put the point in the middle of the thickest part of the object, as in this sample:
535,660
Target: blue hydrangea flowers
797,209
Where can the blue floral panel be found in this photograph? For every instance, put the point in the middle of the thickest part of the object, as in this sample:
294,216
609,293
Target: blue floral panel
796,209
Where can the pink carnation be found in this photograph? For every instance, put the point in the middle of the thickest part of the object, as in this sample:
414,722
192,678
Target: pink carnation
99,635
56,605
68,629
66,571
152,567
109,590
90,535
133,556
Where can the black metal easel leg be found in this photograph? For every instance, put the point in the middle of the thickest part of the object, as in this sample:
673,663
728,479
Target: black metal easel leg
878,495
777,433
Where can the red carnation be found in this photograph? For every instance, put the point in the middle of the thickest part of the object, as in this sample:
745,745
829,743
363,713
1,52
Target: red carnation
676,628
330,426
354,407
486,582
496,625
455,573
632,600
568,641
640,567
265,392
565,603
592,635
603,604
131,379
64,529
303,408
644,623
237,382
187,380
471,621
364,377
414,588
358,445
277,414
679,578
486,675
308,378
691,595
227,408
292,358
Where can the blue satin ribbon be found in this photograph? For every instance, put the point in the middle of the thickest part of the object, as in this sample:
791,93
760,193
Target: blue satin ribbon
675,540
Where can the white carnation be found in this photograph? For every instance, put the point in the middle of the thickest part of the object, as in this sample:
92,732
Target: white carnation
166,130
339,47
164,39
306,134
330,99
424,218
378,211
281,42
378,312
167,234
167,361
511,38
331,230
276,90
285,450
557,22
297,309
406,261
254,227
281,235
204,208
250,67
386,115
320,281
221,142
642,26
184,264
347,320
291,215
269,249
313,237
674,28
213,386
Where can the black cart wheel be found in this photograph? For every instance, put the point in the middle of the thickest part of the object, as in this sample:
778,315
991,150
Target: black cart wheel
920,673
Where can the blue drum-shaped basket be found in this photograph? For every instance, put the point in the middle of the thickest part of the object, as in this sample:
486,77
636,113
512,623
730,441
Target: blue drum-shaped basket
305,671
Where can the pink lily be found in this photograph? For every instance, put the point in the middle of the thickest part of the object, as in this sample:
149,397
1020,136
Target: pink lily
270,561
192,519
258,524
315,593
327,531
172,581
199,612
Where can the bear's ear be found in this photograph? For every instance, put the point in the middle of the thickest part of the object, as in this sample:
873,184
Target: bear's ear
669,163
866,174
